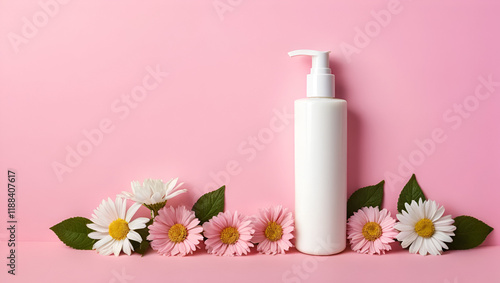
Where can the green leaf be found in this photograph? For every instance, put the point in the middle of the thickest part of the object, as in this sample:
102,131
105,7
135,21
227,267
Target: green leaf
142,247
469,234
411,191
367,196
73,232
209,205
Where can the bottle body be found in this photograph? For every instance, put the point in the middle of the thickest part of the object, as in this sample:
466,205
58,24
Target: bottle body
320,175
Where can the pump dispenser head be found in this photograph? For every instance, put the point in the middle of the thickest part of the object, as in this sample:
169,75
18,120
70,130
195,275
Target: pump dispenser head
320,82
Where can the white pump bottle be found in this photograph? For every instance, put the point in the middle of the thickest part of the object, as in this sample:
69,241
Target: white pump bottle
320,162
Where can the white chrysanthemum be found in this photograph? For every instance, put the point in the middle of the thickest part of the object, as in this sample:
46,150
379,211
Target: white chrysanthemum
153,191
114,230
424,228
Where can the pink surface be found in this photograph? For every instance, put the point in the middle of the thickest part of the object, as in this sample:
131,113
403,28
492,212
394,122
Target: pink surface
51,262
415,75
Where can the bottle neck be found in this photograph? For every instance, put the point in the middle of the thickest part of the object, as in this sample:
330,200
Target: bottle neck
320,85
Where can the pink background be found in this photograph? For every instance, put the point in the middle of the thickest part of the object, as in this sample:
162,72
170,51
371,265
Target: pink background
228,75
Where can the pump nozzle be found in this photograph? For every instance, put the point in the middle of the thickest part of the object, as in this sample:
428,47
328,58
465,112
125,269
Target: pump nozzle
320,81
319,59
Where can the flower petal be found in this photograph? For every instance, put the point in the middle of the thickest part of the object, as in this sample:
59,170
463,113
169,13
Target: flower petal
97,235
133,235
101,242
117,247
131,211
127,246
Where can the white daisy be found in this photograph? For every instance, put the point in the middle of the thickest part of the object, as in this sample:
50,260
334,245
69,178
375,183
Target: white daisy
154,193
113,227
424,228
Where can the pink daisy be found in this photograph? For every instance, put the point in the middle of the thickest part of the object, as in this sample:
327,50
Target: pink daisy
371,231
228,234
273,230
175,231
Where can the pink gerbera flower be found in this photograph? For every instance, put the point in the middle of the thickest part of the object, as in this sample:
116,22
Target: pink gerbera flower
273,230
228,234
371,231
175,231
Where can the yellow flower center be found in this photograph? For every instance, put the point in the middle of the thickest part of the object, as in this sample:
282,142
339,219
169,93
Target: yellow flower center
177,233
118,229
424,228
372,231
273,231
229,235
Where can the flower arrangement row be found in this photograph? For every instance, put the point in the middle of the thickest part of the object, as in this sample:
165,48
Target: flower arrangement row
178,231
422,226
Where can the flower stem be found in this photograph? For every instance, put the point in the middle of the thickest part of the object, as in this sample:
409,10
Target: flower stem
155,207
